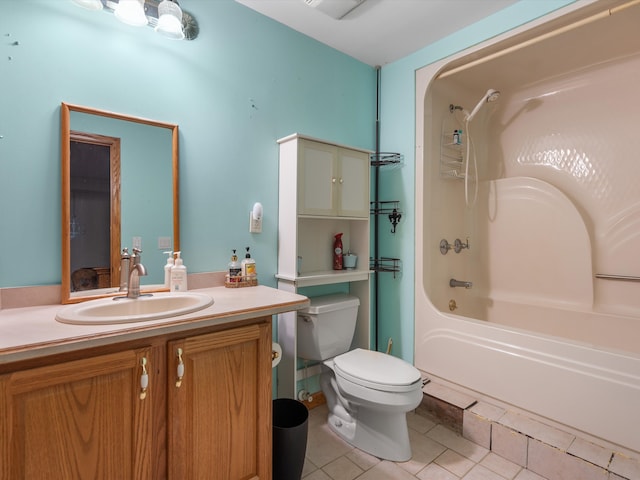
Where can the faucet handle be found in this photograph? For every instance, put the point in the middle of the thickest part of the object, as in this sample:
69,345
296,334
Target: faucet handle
135,258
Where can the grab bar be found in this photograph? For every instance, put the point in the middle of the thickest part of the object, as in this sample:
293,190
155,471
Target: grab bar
624,278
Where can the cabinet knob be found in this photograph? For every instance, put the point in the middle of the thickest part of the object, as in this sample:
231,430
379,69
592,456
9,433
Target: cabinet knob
333,179
341,181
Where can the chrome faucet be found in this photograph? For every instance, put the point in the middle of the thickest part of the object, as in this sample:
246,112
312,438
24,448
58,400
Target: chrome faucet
125,262
460,283
136,270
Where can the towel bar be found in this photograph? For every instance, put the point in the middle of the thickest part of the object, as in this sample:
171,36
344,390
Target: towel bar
624,278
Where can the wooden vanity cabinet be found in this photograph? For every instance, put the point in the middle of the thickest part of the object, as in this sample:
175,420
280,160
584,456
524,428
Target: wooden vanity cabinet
82,419
88,418
220,411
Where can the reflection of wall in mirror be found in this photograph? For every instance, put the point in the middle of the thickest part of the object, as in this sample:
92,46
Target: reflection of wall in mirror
146,185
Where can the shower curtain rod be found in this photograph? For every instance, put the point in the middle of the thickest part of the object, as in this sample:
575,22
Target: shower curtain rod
606,13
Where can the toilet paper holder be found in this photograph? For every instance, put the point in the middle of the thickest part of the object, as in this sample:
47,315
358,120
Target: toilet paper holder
276,354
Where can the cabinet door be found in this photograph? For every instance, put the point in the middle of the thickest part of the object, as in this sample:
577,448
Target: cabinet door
220,410
353,183
77,420
317,179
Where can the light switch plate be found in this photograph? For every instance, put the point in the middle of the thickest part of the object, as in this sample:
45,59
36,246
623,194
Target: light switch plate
164,243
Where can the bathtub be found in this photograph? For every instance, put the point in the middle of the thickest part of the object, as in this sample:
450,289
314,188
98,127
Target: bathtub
589,328
540,330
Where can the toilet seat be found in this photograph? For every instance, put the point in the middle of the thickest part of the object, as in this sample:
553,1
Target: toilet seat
377,371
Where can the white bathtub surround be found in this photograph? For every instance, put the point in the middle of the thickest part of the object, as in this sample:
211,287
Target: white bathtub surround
558,204
546,450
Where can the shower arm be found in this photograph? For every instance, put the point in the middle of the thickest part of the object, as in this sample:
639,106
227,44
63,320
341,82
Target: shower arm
491,96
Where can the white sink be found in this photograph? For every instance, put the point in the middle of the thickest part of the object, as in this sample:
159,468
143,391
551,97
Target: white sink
113,310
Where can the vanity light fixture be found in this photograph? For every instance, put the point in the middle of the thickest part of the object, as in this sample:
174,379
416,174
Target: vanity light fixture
165,16
131,12
170,20
90,4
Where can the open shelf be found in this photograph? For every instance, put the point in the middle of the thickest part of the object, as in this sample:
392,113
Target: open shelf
326,277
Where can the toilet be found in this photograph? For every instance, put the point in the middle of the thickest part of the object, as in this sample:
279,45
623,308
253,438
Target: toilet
368,393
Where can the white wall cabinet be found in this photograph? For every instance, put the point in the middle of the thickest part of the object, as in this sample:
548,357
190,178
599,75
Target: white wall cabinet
323,190
332,180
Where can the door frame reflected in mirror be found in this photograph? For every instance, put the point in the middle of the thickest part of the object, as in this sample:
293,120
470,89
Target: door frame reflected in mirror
91,147
65,114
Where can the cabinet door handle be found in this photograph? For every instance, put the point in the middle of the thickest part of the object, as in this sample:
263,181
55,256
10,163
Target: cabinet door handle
180,369
341,181
144,379
333,179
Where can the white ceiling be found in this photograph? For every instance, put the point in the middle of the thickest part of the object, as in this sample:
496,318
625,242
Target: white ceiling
378,32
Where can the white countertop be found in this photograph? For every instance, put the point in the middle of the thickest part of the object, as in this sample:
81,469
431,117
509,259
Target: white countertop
32,332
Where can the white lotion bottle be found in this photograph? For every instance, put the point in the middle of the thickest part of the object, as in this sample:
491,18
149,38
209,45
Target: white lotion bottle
167,269
178,275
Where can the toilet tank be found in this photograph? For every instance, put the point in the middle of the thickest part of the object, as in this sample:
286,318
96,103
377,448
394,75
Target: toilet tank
326,327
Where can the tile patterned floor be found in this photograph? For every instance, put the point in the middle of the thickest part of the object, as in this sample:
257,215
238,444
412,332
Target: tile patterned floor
438,454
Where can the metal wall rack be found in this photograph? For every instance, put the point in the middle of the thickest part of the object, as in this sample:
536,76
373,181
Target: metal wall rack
453,141
386,158
385,264
389,208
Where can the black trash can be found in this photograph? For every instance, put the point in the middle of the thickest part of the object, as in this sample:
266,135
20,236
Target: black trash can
290,425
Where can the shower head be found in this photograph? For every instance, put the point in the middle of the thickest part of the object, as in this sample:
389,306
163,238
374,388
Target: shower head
491,96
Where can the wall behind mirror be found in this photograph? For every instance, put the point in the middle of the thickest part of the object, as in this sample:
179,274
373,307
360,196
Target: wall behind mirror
232,94
147,190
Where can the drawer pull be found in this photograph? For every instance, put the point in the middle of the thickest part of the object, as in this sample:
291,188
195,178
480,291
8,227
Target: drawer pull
180,370
144,379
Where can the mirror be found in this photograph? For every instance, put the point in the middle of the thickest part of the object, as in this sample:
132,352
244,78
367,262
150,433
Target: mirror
119,189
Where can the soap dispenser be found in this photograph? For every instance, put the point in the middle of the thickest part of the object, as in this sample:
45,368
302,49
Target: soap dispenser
167,269
249,267
235,269
178,275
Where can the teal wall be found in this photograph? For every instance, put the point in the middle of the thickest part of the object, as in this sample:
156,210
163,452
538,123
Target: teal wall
398,135
243,83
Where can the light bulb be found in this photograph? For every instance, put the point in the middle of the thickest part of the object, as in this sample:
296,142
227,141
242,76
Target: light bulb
90,4
170,20
131,12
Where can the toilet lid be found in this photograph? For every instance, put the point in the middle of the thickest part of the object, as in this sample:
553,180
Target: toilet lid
375,369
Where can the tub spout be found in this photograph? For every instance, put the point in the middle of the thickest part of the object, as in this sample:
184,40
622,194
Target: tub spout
460,283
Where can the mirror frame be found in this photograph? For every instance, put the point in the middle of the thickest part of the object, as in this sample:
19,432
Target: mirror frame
65,135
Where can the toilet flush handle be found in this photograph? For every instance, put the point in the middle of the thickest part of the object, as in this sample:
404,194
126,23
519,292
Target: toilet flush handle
306,318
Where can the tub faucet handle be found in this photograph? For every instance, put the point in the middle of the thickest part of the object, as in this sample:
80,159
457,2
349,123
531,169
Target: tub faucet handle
458,246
